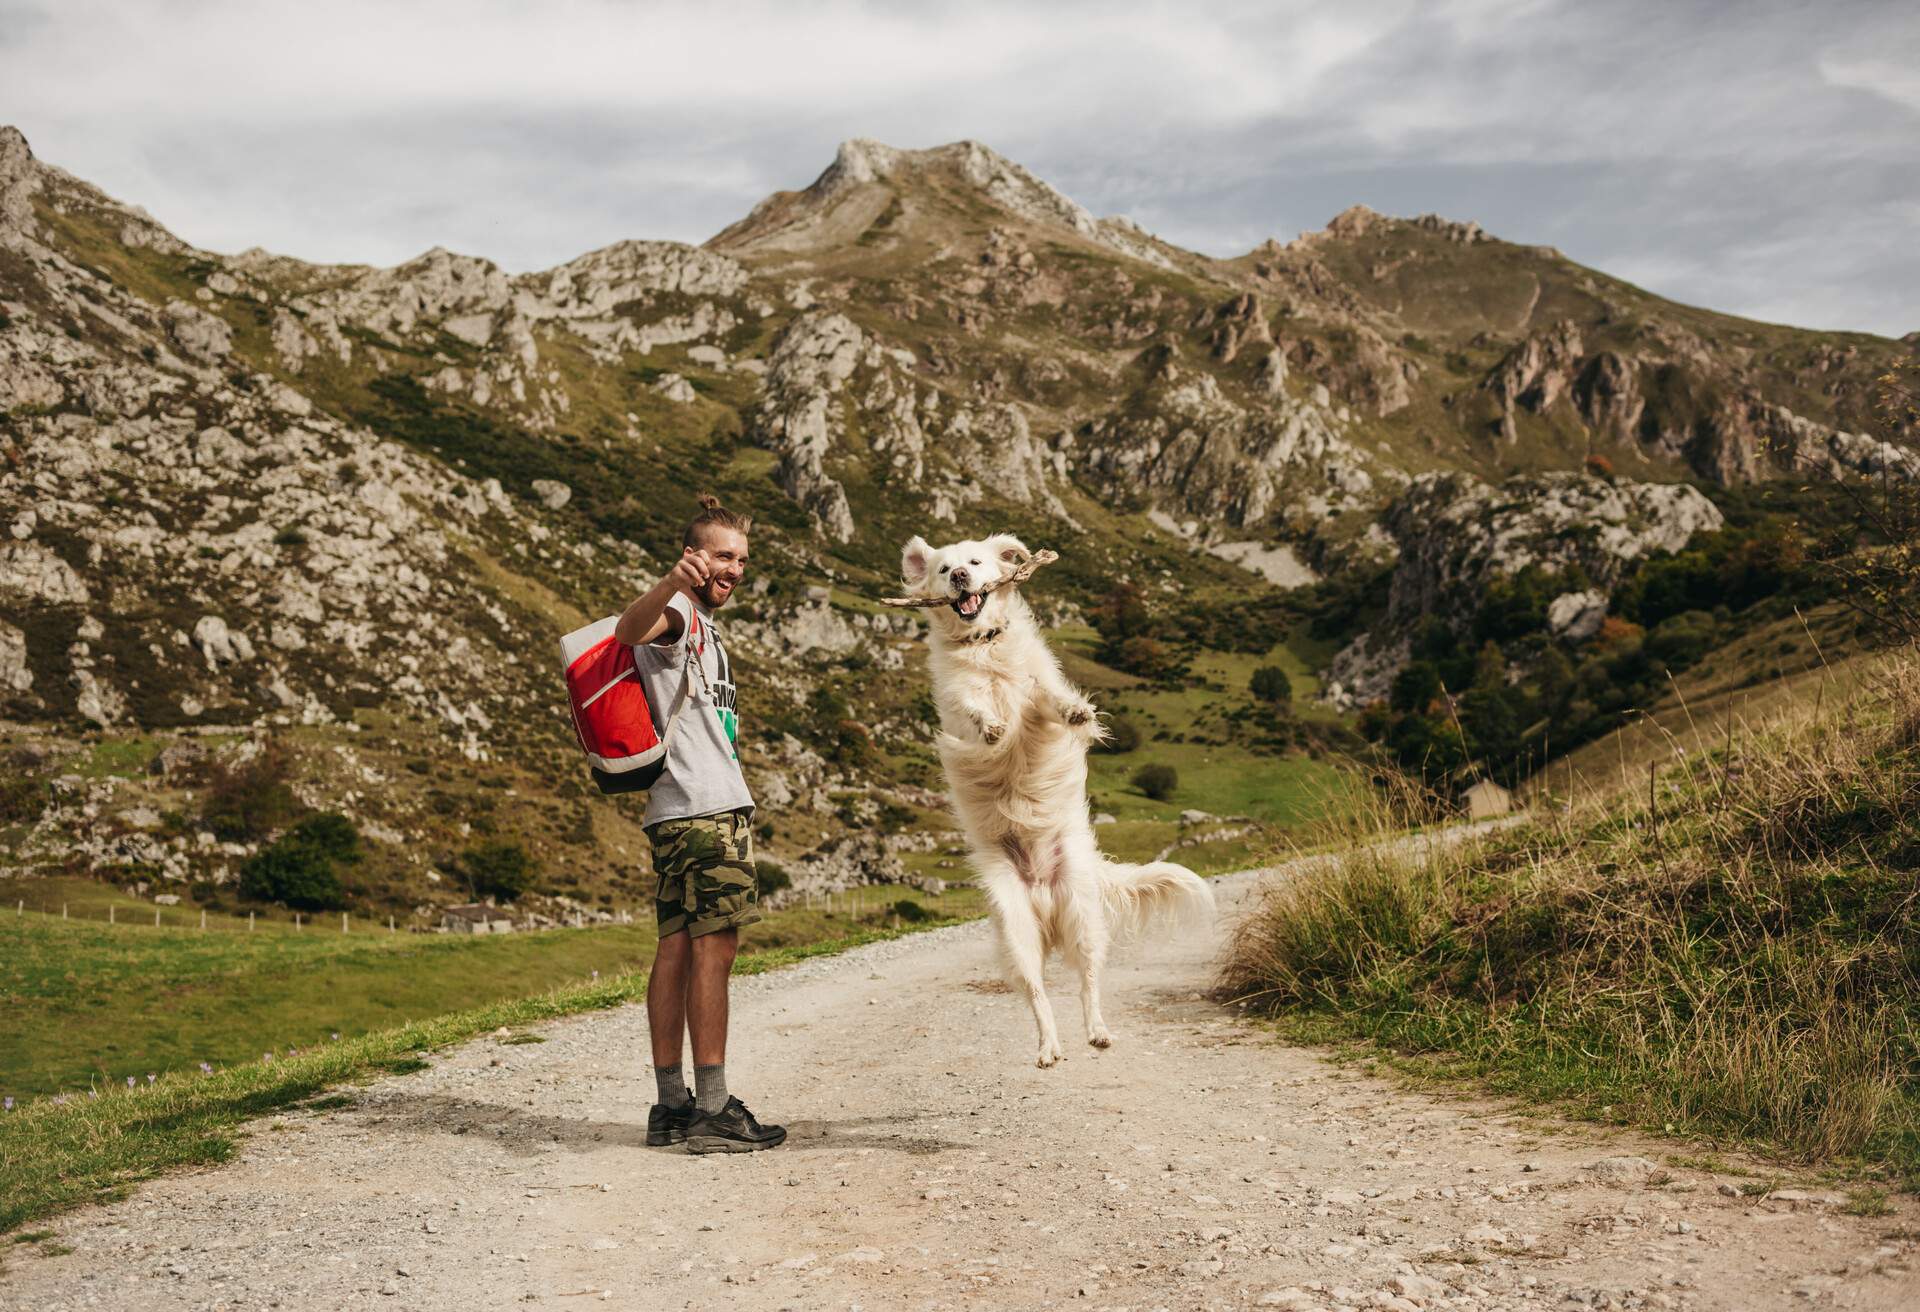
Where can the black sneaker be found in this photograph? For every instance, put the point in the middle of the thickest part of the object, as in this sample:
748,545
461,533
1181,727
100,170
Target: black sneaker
667,1125
732,1129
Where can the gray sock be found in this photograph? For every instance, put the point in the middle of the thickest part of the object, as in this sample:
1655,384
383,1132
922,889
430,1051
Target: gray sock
710,1087
673,1086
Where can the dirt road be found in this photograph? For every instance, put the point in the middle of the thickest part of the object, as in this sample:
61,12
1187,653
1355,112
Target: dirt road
1195,1165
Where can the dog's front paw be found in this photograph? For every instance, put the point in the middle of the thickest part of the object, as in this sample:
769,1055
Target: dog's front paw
1077,713
1101,1038
1049,1054
992,731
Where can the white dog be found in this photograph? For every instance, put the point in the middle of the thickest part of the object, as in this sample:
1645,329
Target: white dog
1013,738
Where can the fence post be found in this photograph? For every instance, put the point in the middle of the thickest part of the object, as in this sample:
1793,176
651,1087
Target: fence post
63,911
156,917
249,922
389,922
203,917
109,913
296,922
343,922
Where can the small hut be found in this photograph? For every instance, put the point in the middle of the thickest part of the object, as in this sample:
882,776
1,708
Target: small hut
1485,800
475,918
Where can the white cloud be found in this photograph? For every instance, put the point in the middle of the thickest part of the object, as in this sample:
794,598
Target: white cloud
1665,134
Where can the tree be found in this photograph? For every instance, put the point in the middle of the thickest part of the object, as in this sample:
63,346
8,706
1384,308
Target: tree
1271,684
247,801
1490,667
498,870
294,874
1415,687
1156,781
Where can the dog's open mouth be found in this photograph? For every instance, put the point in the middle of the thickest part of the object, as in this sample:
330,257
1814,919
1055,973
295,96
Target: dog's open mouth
968,606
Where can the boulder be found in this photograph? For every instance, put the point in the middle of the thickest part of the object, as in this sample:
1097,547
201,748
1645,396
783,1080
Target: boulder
675,388
1577,616
553,494
16,675
204,337
219,644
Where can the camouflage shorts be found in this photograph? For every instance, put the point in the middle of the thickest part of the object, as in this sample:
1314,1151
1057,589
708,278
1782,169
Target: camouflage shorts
705,865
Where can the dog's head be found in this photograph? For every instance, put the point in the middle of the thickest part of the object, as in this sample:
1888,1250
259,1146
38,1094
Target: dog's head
960,575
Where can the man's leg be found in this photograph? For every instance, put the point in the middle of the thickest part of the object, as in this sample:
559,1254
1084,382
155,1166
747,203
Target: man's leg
667,999
706,998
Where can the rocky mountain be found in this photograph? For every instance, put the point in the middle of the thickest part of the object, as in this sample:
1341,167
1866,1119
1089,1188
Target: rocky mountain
245,493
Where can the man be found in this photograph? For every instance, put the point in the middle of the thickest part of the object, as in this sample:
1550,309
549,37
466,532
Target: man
699,821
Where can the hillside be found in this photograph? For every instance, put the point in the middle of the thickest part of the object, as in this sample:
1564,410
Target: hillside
333,516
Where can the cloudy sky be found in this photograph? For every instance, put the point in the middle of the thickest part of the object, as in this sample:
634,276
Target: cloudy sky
1756,157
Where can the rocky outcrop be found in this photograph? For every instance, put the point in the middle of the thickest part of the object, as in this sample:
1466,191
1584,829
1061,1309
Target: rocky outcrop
16,675
800,413
1456,533
1608,395
824,370
1189,445
19,180
1537,374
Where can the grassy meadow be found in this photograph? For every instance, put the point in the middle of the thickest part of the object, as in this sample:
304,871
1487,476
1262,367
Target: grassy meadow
1728,947
90,1004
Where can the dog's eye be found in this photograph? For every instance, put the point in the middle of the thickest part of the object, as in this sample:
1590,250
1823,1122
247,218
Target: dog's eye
945,568
973,562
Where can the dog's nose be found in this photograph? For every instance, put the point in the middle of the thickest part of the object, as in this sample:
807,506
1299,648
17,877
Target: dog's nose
959,577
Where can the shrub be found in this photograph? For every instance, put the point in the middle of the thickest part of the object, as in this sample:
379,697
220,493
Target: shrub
248,801
299,877
1147,657
910,911
1122,736
502,871
1680,640
770,878
1271,684
300,869
22,798
1600,467
1156,781
330,834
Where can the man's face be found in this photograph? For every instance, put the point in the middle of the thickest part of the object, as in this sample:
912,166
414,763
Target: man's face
727,549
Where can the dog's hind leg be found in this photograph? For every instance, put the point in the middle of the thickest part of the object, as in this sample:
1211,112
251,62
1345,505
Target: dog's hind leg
1026,960
1084,944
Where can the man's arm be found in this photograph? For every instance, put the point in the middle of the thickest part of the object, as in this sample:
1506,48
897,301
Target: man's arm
648,619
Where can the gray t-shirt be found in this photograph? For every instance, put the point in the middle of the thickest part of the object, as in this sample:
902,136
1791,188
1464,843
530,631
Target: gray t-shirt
703,767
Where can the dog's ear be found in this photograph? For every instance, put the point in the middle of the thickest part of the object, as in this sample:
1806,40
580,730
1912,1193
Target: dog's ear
913,561
1010,549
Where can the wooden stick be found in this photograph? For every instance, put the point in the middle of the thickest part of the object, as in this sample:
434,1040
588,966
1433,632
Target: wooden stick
1015,579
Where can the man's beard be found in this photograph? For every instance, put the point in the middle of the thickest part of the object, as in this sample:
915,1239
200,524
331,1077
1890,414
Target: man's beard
713,598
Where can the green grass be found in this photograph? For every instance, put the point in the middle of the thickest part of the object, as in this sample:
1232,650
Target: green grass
1281,790
89,1004
54,1157
1740,962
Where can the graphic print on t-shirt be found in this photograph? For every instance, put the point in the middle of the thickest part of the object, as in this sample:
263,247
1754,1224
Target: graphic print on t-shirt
724,696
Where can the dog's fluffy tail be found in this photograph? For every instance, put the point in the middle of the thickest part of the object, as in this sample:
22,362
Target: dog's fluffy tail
1156,893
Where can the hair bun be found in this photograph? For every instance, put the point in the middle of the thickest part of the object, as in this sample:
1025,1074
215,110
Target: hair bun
708,501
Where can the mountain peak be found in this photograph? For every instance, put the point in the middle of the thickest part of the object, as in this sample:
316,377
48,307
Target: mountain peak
868,177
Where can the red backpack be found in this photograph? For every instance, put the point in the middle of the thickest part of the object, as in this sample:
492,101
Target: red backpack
611,715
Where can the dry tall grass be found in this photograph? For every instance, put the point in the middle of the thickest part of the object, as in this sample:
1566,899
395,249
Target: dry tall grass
1731,947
